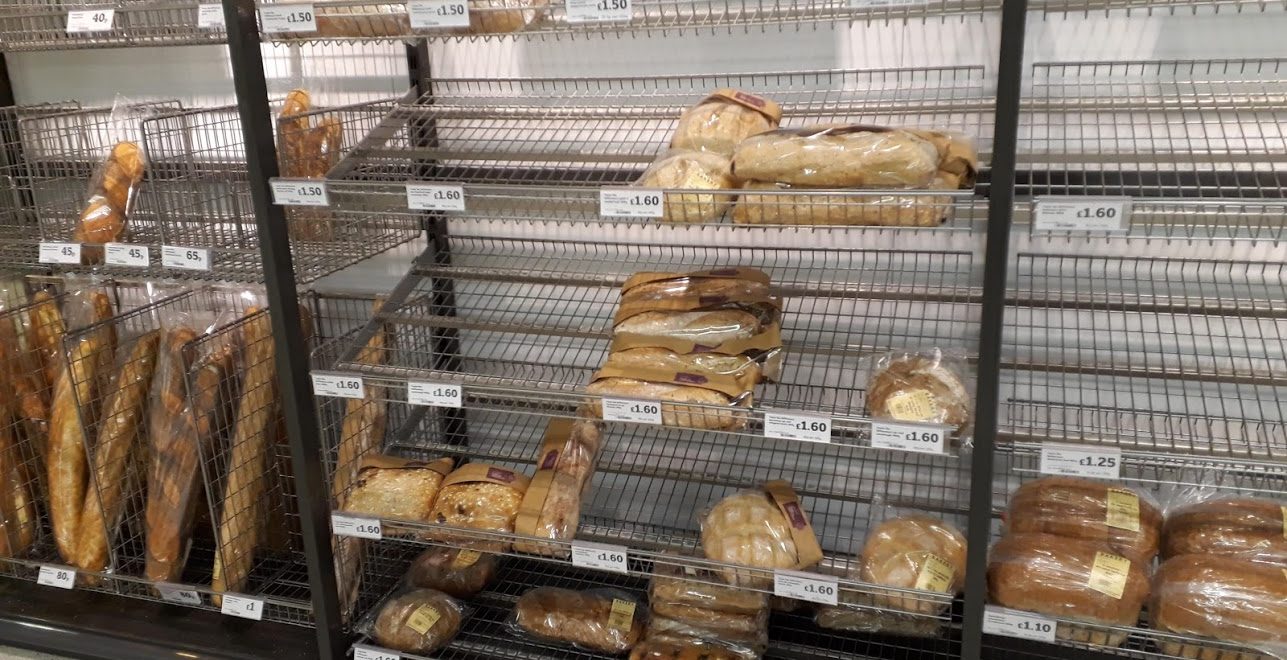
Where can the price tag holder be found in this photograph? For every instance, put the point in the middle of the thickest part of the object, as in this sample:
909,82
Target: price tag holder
81,21
364,652
60,253
429,14
1089,214
1081,461
909,437
244,607
173,593
598,11
210,17
57,576
344,387
299,193
869,4
630,202
436,196
289,17
124,254
440,395
631,410
1013,623
795,426
362,528
600,556
823,589
187,258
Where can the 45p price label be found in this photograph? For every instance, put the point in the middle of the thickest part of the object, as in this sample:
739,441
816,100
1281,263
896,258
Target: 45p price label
909,437
441,395
436,196
299,193
600,556
598,11
438,14
631,410
1081,461
344,387
124,254
793,426
630,203
823,589
90,20
1081,214
1013,623
362,528
292,17
57,576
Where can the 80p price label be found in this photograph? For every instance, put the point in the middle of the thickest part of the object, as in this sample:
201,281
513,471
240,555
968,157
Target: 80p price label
57,576
344,387
815,588
630,203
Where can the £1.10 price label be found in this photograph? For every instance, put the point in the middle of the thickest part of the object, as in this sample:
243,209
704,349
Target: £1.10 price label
429,14
598,11
124,254
299,193
173,593
1081,461
823,589
631,410
186,258
1081,214
81,21
210,16
59,253
344,387
909,437
439,395
794,426
57,576
436,196
288,17
630,203
362,528
1013,623
600,556
244,607
364,652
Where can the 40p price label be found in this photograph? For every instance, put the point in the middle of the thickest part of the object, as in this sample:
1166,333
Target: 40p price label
823,589
299,193
598,11
794,426
631,410
1013,623
429,14
436,196
90,20
344,387
362,528
1091,214
441,395
600,556
292,17
909,437
630,203
1081,461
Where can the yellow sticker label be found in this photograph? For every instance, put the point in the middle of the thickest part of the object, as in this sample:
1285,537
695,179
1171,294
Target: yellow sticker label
465,559
622,616
1285,522
936,574
423,619
914,406
1123,509
1108,574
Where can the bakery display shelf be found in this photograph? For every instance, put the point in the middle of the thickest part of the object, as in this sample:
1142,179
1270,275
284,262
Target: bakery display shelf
33,25
1230,224
1170,128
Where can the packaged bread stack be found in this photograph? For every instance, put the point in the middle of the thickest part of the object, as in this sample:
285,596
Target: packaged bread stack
763,529
697,342
597,620
1079,550
1224,578
789,164
551,507
692,610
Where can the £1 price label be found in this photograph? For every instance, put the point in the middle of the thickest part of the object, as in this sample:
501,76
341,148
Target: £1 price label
631,410
362,528
1013,623
815,588
90,20
429,14
364,652
124,254
173,593
299,193
793,426
344,387
600,556
598,11
60,253
210,16
909,437
441,395
436,196
57,576
630,203
186,258
288,17
244,607
1081,461
1090,214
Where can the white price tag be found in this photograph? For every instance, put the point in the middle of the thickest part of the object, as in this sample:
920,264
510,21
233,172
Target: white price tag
631,410
57,576
436,196
210,17
441,395
1081,461
60,253
600,556
362,528
630,202
178,595
242,606
812,587
794,426
344,387
909,437
598,11
90,20
1081,214
438,14
364,652
124,254
288,17
299,193
187,258
1013,623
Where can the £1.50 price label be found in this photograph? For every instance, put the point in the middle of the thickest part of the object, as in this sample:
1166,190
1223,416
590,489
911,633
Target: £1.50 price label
59,253
57,576
429,14
244,607
793,426
124,254
909,437
1092,214
362,528
598,11
600,556
299,193
364,652
631,410
344,387
630,203
436,196
210,16
288,17
823,589
440,395
1081,461
81,21
1013,623
187,258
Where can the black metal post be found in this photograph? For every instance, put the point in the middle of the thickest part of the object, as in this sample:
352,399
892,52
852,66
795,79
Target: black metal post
1014,14
291,344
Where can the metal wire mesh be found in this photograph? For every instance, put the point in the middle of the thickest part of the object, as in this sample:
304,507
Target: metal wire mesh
30,25
1157,7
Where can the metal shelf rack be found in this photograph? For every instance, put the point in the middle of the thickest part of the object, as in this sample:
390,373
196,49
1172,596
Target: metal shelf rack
36,25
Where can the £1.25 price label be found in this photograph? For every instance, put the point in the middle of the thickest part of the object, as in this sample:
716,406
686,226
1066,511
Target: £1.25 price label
436,196
210,16
600,556
57,576
630,203
59,253
186,258
598,11
81,21
244,607
364,652
794,426
288,17
287,192
1081,461
1013,623
909,437
344,387
631,410
357,527
124,254
439,395
1092,214
815,588
430,14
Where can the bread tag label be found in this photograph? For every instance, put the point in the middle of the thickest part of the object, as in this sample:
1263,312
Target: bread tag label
1123,510
423,619
764,106
807,550
913,406
465,559
622,616
936,575
1108,574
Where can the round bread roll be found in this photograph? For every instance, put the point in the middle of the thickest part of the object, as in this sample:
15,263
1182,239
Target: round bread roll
691,170
748,529
1243,528
920,388
717,125
453,571
1079,508
1231,600
915,552
421,621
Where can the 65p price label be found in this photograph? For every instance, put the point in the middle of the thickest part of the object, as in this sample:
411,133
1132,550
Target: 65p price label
440,395
600,556
344,387
1081,214
56,576
362,528
630,203
1013,623
436,196
293,17
438,14
823,589
1081,461
793,426
187,258
90,20
598,11
299,193
631,410
909,437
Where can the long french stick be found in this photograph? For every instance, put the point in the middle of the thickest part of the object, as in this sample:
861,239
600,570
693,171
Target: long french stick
17,509
48,328
105,214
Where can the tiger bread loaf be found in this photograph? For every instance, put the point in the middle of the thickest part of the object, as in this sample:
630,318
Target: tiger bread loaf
914,552
1238,602
481,497
926,386
1123,520
397,488
1070,578
765,529
691,170
420,621
1239,527
457,572
719,122
598,620
551,506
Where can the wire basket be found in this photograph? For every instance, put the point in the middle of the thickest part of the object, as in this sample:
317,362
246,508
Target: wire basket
32,25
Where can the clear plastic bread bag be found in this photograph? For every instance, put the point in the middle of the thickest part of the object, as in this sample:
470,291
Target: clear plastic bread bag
1126,520
114,185
681,585
663,647
412,620
598,620
717,123
1238,602
763,529
850,156
750,638
309,144
457,572
691,170
912,551
1204,518
930,386
773,203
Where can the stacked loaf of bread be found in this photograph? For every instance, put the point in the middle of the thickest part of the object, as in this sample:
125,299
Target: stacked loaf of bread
691,608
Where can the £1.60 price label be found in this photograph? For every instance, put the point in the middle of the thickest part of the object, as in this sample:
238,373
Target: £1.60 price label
362,528
909,437
436,196
242,606
631,410
600,556
187,258
288,17
210,16
364,652
299,193
1013,623
56,576
60,253
90,20
124,254
598,11
1081,214
630,203
823,589
1081,461
173,593
793,426
344,387
440,395
429,14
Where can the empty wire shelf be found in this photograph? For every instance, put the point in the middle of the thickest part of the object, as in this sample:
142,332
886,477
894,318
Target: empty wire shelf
32,25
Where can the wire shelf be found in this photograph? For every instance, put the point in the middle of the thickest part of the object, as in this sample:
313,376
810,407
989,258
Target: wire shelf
1157,7
34,25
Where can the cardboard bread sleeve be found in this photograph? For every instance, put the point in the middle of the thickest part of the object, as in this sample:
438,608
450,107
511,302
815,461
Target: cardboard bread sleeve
481,497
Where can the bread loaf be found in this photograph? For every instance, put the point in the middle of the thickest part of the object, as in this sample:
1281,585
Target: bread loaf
688,649
673,412
871,620
803,206
598,620
755,638
364,21
684,586
1069,578
921,387
388,487
719,122
749,528
691,170
1121,519
739,372
1244,528
112,192
838,156
1230,600
914,552
503,16
557,514
48,329
453,571
709,328
711,292
420,621
481,497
